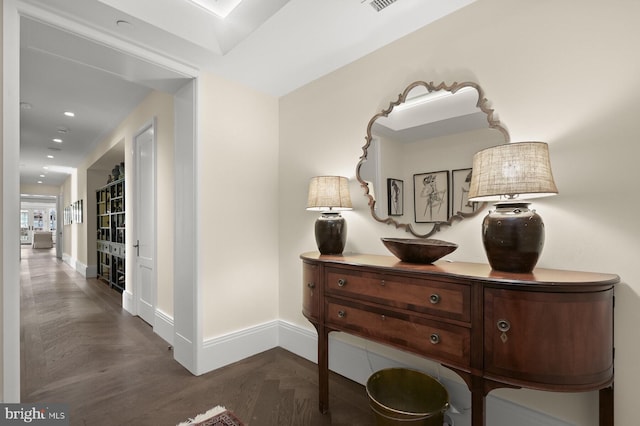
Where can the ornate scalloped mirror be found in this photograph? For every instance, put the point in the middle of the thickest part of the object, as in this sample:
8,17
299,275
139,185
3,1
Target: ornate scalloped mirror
416,161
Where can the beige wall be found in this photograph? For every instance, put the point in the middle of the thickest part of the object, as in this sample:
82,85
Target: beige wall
561,72
238,206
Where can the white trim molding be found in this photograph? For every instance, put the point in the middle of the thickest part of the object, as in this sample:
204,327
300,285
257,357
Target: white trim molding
163,326
77,266
127,302
10,232
224,350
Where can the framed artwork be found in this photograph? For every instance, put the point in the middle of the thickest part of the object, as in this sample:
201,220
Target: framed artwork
79,209
67,215
431,196
461,179
395,197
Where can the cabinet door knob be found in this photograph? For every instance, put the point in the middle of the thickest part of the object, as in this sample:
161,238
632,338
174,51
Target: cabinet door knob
503,325
342,282
434,339
434,298
311,285
342,313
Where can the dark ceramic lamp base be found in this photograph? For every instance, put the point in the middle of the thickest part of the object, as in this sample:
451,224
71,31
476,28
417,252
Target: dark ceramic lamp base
331,233
513,237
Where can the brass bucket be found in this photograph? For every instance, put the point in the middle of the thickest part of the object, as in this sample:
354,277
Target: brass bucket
400,396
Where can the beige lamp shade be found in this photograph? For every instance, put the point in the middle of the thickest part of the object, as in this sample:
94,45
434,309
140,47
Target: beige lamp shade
513,171
329,193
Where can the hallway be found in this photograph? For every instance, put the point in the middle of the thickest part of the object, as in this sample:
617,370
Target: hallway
78,346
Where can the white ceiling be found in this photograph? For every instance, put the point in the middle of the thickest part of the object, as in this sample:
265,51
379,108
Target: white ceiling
274,46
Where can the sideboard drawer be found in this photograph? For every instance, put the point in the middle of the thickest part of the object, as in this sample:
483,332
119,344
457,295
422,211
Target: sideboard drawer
440,298
310,291
449,344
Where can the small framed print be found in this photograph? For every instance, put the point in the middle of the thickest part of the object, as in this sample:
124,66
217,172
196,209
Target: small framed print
80,208
461,179
395,197
67,215
431,196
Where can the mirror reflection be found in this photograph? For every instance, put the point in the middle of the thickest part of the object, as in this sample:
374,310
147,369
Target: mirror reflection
416,162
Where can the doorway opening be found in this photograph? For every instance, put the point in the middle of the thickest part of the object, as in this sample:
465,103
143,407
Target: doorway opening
11,173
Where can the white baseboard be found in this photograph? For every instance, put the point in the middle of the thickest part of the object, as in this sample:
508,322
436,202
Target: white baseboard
502,412
127,302
78,266
220,351
299,341
69,260
183,353
163,326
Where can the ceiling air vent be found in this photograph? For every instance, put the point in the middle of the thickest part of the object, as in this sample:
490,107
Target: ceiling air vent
378,5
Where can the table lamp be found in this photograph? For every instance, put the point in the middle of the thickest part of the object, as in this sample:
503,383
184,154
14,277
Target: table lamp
512,173
330,195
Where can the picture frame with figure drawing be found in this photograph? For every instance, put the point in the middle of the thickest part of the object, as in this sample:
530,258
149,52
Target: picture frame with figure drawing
431,197
460,180
395,197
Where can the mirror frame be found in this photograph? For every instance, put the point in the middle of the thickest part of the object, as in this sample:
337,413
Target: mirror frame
493,123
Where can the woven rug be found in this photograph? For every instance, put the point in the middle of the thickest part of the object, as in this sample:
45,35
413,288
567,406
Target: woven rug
218,416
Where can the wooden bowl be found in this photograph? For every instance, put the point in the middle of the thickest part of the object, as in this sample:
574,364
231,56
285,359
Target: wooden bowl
416,250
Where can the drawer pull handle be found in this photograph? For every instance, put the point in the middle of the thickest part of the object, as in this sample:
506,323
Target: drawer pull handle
382,283
434,299
503,325
434,339
342,314
311,285
342,282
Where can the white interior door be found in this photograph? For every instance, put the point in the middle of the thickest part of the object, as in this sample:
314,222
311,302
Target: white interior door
145,219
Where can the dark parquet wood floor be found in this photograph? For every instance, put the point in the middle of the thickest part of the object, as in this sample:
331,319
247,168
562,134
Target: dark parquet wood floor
78,346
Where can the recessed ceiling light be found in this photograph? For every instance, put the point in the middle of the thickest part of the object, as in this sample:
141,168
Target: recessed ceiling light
45,167
220,8
69,114
49,156
57,140
39,181
42,175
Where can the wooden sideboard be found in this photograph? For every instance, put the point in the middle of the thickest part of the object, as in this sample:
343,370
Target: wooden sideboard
549,330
